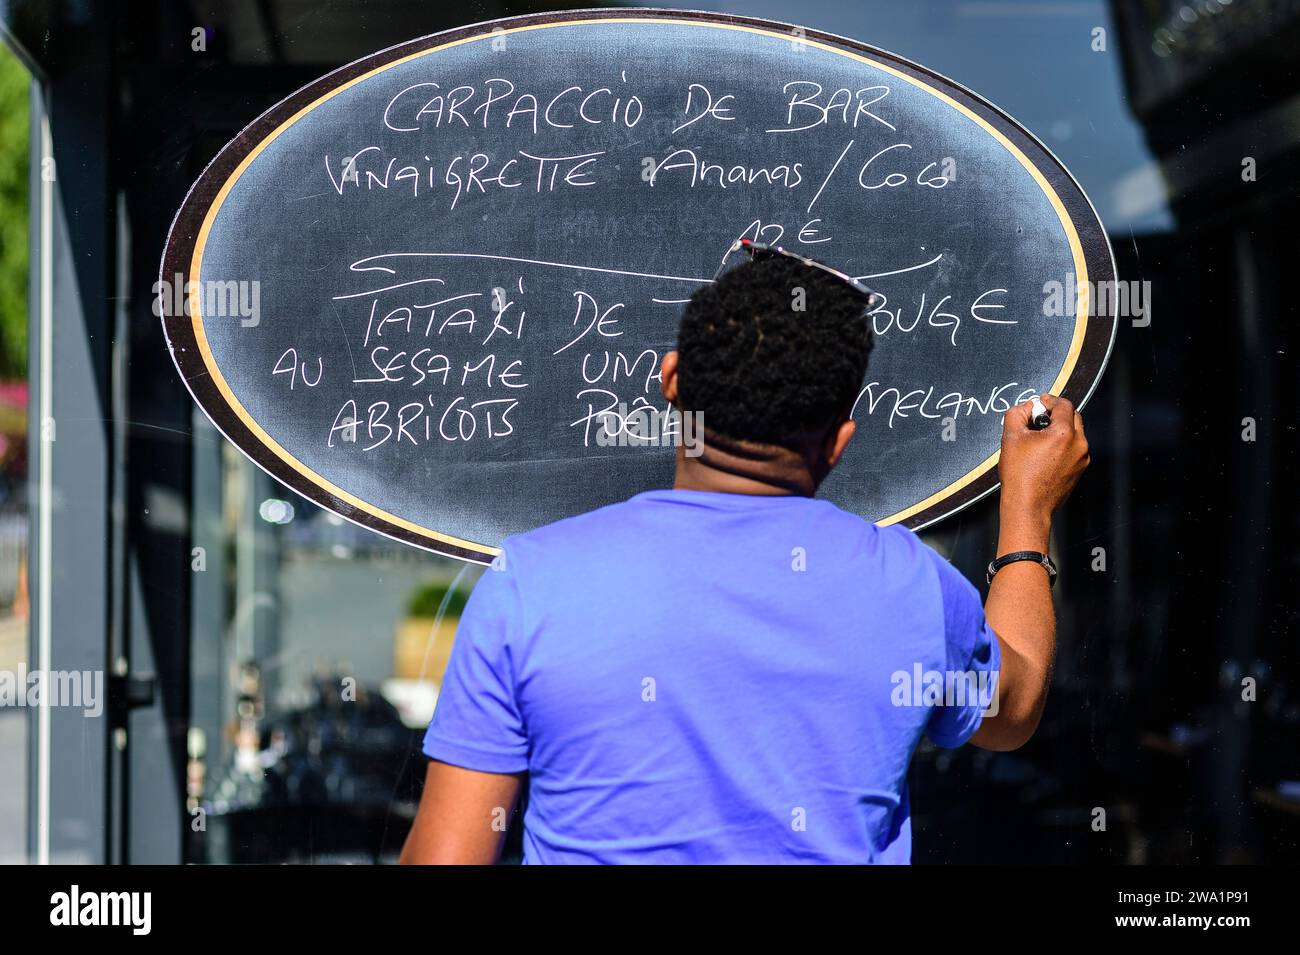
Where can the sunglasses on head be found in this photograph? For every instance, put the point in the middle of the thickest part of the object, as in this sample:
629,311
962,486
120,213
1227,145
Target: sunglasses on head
758,250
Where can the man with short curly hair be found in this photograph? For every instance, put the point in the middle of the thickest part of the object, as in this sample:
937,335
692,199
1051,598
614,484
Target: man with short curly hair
711,673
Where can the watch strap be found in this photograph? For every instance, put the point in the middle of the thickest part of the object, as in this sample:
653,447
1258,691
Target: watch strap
1017,556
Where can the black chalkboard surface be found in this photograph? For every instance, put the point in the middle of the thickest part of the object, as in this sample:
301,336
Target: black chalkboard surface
416,290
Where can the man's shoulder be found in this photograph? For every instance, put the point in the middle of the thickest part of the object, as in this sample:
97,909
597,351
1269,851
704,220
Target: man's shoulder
947,582
902,540
898,545
620,525
570,535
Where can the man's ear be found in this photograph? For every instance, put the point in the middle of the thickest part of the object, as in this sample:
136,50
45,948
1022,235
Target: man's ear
839,440
668,376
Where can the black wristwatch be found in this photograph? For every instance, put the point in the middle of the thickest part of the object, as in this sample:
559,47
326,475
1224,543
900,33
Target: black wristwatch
1035,556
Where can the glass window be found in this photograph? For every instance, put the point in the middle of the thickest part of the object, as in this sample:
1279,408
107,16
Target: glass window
319,650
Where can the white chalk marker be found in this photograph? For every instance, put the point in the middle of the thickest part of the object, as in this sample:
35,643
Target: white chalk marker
1039,416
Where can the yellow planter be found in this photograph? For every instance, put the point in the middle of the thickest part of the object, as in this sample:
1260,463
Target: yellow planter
421,649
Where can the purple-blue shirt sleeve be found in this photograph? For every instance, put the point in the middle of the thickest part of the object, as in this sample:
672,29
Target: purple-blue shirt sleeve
476,722
972,649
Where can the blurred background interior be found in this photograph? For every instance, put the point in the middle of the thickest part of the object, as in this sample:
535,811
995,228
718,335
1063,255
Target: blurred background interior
225,688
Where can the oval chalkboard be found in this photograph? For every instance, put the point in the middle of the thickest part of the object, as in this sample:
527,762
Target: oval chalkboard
418,289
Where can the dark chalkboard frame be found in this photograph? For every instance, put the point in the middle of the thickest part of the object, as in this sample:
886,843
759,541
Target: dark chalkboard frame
1093,339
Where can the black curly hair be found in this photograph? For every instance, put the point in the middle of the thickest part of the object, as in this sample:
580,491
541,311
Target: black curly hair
758,370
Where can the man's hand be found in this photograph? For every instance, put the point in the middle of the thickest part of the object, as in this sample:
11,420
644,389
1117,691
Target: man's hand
1039,469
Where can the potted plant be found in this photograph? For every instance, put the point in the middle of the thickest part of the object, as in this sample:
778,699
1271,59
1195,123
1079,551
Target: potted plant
424,637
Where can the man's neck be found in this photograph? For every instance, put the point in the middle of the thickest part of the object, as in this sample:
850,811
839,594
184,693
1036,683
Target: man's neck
732,467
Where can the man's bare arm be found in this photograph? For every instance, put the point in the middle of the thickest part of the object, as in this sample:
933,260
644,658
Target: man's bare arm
1038,471
462,816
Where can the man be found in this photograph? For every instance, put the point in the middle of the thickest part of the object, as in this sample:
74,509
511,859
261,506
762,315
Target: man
711,673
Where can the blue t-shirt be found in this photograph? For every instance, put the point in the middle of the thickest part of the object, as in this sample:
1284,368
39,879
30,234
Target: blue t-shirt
698,677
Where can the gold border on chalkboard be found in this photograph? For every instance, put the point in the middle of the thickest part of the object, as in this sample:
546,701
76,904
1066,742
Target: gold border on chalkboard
196,298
